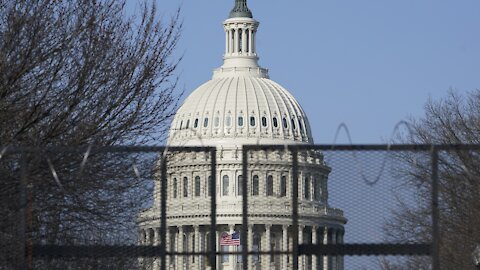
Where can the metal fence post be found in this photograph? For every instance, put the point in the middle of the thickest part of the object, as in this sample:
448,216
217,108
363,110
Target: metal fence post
22,215
213,209
435,212
295,253
163,210
243,236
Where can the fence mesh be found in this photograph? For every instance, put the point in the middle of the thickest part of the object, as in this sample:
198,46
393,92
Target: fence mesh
275,207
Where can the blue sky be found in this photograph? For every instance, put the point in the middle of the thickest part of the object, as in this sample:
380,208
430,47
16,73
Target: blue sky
369,64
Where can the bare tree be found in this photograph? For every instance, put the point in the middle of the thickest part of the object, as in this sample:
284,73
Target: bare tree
453,120
75,73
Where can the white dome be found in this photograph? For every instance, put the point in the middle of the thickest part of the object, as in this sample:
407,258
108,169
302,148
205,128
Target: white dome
240,105
213,114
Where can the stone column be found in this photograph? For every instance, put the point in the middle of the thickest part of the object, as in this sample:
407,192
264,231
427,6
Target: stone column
249,41
226,40
196,248
268,240
314,242
285,246
301,264
180,248
147,238
250,243
167,247
244,41
156,242
325,241
334,241
202,244
237,40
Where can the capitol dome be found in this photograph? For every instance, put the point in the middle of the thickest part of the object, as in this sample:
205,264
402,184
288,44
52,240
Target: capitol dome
239,106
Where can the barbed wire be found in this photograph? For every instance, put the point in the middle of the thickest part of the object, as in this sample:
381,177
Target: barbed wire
359,163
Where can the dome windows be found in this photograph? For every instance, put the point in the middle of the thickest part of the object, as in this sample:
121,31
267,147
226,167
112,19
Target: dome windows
188,124
216,121
195,124
252,121
275,122
240,121
264,121
285,123
205,122
293,124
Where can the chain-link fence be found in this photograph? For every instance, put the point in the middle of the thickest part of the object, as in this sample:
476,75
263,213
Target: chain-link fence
257,207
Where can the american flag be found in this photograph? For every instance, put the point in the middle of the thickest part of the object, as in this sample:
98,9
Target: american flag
230,239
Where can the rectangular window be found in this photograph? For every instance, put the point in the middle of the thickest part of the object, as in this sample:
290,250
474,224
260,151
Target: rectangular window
197,186
283,186
185,187
307,187
240,185
209,186
226,185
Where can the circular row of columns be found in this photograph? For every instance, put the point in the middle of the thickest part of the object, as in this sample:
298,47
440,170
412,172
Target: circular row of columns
232,41
327,236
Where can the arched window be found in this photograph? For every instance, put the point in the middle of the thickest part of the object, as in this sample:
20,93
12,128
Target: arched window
209,186
226,185
175,187
205,122
185,187
216,121
188,124
252,121
264,121
240,121
197,186
181,124
283,186
255,185
306,187
195,124
240,185
293,124
285,123
270,185
300,125
275,122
